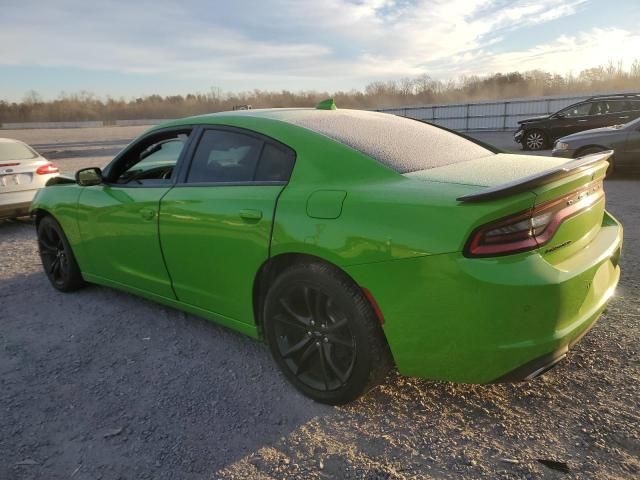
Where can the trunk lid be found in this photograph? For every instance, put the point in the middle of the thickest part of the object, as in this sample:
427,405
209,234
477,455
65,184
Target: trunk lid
575,187
18,175
490,171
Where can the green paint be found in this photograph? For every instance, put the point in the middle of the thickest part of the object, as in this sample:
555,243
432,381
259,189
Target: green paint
327,104
401,236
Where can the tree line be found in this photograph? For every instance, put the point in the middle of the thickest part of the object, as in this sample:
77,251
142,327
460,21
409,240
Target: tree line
419,90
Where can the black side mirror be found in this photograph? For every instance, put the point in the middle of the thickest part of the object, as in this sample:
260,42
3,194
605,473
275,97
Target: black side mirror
86,177
559,115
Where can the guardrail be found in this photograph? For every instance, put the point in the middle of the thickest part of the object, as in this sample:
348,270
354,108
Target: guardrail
493,115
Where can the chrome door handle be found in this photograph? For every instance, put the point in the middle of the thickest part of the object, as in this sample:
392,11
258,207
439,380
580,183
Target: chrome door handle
250,214
582,120
147,214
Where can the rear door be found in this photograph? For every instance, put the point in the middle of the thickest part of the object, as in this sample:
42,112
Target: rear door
609,112
215,224
118,220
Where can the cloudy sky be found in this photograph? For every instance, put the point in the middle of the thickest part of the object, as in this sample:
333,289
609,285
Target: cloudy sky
132,48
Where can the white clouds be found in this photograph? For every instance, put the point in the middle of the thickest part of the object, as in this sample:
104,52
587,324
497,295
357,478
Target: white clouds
568,53
298,44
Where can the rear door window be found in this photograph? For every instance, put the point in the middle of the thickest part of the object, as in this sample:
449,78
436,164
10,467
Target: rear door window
275,165
635,105
606,107
225,157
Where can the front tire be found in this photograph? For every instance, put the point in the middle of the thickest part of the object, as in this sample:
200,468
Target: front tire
324,334
58,260
534,140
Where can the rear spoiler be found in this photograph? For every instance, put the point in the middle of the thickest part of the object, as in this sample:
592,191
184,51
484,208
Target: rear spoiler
532,181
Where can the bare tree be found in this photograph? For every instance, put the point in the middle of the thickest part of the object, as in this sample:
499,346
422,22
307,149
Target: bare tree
423,89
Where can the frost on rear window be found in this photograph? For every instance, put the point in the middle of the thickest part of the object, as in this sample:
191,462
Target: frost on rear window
403,144
15,151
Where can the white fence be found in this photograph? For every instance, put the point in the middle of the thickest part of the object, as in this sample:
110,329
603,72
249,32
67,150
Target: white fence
88,124
495,115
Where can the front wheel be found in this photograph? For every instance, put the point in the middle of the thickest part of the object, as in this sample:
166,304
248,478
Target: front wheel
534,140
58,260
324,334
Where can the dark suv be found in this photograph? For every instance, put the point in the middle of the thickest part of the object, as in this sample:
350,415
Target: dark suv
602,111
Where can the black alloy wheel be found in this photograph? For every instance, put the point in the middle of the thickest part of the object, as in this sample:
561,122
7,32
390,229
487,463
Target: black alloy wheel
534,140
57,258
314,339
324,334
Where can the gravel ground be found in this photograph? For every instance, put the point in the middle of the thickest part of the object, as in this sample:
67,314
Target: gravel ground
101,384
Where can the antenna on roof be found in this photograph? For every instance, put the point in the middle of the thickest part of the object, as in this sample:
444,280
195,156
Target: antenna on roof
327,104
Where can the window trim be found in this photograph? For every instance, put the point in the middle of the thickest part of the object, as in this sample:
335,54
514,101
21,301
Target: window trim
181,178
182,159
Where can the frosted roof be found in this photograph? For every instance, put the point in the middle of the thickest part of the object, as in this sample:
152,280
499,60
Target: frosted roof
403,144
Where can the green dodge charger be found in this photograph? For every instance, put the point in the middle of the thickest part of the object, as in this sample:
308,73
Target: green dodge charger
349,241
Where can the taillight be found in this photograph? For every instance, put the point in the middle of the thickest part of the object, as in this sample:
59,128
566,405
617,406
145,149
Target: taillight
533,228
47,169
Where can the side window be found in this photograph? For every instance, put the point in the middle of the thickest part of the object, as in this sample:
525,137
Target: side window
605,107
224,156
619,106
275,164
151,161
580,110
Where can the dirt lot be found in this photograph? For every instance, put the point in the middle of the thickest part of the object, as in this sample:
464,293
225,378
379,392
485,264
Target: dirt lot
101,384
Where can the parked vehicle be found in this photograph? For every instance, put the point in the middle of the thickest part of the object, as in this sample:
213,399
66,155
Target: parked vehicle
623,139
349,241
22,172
601,111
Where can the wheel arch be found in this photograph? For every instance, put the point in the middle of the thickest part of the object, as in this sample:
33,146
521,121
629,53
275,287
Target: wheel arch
274,266
586,147
39,213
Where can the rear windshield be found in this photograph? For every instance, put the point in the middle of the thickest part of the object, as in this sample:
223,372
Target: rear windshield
403,144
15,151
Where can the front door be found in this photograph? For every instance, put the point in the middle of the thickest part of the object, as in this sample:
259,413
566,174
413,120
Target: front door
126,208
215,224
570,120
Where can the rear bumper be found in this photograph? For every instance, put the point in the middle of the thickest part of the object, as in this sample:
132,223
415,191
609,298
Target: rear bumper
452,318
16,204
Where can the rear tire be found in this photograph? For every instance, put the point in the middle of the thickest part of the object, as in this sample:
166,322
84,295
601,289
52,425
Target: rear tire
534,140
58,260
324,334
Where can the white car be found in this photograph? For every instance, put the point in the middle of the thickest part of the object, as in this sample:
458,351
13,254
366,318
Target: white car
22,172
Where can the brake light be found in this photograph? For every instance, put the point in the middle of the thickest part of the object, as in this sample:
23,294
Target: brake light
47,169
532,228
